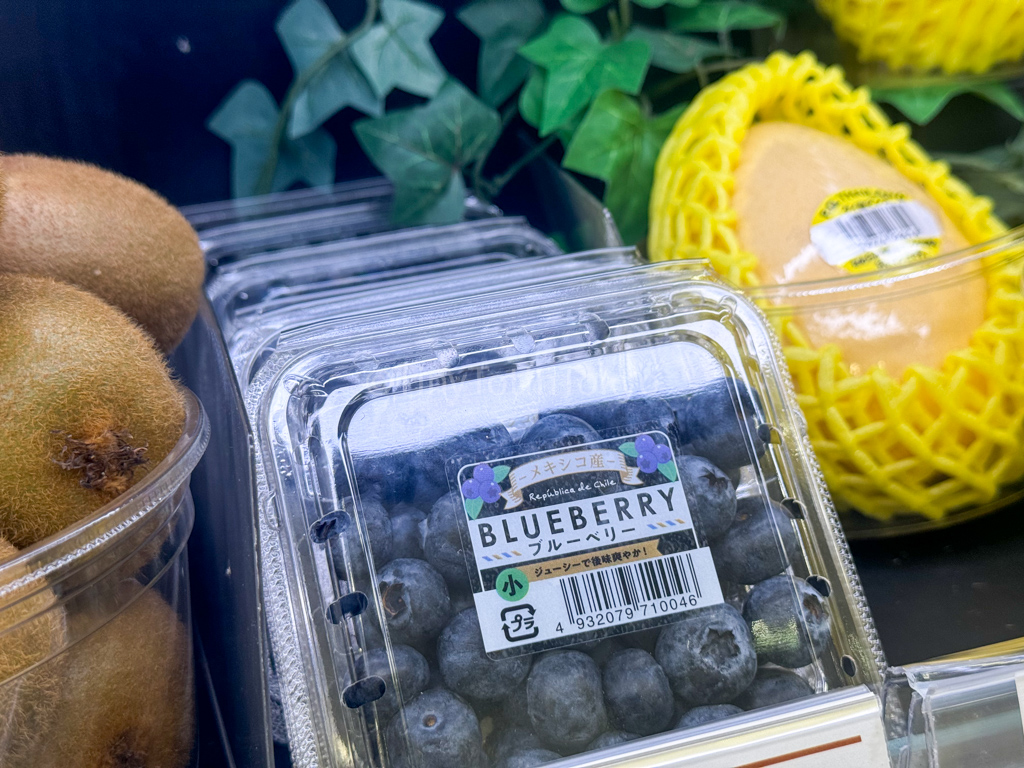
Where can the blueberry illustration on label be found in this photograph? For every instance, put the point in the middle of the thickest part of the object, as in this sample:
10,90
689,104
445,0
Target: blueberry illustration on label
482,488
651,456
512,584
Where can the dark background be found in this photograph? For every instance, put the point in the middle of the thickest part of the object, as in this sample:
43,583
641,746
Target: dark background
129,86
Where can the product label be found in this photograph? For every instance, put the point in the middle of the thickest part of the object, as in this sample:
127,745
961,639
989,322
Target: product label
580,542
862,230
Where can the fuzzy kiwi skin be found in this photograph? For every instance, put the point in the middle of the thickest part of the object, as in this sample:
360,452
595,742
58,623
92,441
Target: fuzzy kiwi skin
105,233
32,629
84,396
127,697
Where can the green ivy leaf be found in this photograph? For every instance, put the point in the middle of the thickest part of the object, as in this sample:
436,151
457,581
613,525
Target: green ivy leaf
531,98
307,30
424,149
672,52
503,26
922,105
501,472
396,52
579,67
669,470
618,143
723,16
473,507
629,449
584,6
1003,96
246,120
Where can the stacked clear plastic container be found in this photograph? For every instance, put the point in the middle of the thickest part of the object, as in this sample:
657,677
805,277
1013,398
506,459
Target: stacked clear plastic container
96,663
390,456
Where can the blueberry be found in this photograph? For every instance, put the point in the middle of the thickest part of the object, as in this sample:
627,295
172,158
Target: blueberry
410,678
636,692
507,739
557,430
611,739
709,713
644,444
348,547
709,494
647,463
565,701
708,655
528,758
429,471
788,621
389,476
760,544
465,666
711,427
407,531
437,729
415,601
604,650
643,414
442,541
773,686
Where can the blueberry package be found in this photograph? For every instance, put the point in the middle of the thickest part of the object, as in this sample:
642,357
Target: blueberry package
394,292
559,522
242,289
236,230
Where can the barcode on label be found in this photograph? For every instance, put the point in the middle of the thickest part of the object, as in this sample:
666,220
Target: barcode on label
853,233
880,224
628,586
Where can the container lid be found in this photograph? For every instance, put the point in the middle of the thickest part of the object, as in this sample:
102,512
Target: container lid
528,514
396,291
247,286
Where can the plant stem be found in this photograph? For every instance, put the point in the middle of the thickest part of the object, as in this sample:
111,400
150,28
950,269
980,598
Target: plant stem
479,183
700,73
301,82
625,17
613,22
498,182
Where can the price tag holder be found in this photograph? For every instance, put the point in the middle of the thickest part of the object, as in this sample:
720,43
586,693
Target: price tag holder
842,729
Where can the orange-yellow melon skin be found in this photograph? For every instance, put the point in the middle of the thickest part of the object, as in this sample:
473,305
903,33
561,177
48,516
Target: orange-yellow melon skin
106,234
786,171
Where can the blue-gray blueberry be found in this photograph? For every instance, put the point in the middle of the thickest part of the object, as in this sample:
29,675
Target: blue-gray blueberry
565,700
710,495
636,692
761,543
437,729
789,622
709,713
466,668
773,686
414,599
708,655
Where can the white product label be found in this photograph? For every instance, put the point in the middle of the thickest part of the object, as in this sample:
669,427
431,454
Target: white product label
1019,680
590,540
867,229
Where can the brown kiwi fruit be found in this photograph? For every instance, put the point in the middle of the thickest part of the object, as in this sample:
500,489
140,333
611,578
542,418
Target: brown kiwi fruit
105,233
32,629
127,696
87,406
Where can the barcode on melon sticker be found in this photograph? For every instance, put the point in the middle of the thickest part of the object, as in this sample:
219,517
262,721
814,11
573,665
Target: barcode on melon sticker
865,229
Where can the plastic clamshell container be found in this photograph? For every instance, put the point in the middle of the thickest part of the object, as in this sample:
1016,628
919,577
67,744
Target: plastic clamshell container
944,714
95,630
911,381
396,292
664,361
286,276
300,218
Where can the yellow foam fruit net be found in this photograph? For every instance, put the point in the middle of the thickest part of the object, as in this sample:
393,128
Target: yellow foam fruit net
954,36
928,442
